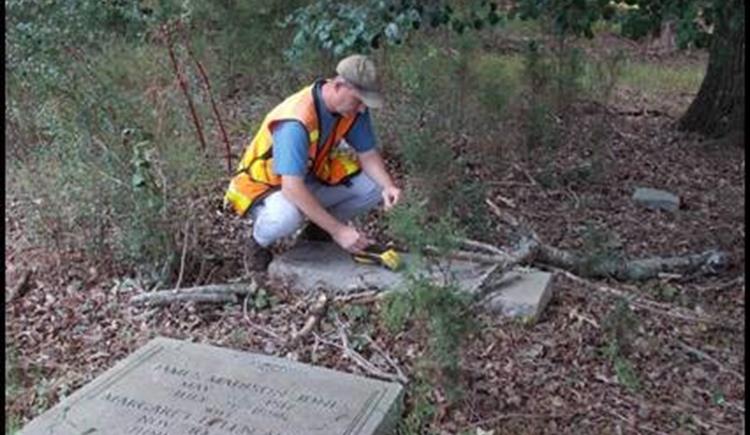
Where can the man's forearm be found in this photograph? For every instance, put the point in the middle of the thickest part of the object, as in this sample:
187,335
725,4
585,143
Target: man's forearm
295,191
374,166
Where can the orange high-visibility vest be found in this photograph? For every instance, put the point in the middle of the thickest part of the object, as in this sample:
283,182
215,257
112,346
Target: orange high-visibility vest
255,177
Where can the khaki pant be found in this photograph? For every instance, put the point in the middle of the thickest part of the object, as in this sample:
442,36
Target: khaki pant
276,217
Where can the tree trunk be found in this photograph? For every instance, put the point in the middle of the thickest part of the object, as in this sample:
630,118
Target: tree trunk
719,107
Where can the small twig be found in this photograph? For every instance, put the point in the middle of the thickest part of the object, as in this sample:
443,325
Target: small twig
184,254
581,318
575,197
314,351
260,328
316,312
509,416
507,201
361,361
704,355
739,281
505,217
531,179
388,358
20,288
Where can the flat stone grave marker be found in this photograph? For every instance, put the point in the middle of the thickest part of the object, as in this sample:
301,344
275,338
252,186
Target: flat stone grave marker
173,387
308,266
521,294
656,199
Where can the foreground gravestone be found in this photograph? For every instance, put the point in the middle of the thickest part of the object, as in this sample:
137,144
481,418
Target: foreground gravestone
172,387
310,266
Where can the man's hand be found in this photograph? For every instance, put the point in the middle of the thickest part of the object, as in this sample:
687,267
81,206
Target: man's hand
350,239
391,196
373,165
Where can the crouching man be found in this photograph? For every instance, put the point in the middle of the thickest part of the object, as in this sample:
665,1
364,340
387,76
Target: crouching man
294,168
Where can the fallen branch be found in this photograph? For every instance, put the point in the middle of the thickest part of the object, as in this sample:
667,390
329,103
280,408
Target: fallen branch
701,354
165,298
505,217
361,361
215,293
481,245
387,357
21,287
316,312
361,297
531,250
707,262
477,257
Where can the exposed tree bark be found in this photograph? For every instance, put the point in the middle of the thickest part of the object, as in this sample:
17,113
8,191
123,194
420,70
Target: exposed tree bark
719,107
530,249
707,262
221,293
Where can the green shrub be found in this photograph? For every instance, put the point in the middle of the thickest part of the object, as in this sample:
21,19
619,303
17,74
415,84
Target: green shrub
410,222
601,76
422,410
539,76
652,79
397,307
244,40
119,160
498,81
620,327
441,314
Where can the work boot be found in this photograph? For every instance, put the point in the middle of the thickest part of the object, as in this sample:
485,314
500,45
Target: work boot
314,233
257,257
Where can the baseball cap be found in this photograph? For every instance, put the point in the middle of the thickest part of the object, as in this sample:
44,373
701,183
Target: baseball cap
359,71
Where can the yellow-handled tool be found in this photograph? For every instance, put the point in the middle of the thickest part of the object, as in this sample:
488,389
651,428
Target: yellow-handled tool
375,254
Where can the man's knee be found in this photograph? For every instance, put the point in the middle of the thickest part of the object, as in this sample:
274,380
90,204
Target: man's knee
276,220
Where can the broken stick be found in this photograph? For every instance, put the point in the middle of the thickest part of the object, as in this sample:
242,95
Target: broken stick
316,312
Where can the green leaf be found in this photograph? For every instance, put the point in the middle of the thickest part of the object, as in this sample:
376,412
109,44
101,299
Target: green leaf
260,301
138,180
718,397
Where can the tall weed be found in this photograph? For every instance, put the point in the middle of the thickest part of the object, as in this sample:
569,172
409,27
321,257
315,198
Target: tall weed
120,162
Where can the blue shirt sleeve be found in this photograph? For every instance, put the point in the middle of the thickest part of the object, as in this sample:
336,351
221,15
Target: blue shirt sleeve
361,136
290,148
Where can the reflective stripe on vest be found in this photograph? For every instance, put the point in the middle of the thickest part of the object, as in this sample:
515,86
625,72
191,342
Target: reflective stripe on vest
255,178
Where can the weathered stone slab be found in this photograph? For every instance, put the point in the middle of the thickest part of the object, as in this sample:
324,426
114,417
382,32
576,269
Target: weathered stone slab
656,199
521,294
172,387
309,266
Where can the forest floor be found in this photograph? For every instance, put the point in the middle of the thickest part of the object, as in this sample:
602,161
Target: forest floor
674,373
